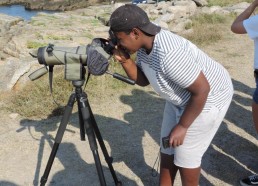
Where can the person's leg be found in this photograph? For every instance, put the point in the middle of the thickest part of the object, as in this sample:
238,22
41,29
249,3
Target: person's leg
255,104
253,179
190,177
255,115
168,170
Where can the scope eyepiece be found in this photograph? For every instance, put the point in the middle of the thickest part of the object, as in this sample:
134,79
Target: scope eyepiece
50,48
111,44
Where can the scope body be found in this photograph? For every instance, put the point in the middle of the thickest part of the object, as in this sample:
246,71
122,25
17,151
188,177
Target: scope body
54,55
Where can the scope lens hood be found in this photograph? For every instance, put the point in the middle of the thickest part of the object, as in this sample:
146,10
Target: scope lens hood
38,73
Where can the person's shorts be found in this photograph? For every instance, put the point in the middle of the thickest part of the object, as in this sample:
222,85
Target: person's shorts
198,136
255,95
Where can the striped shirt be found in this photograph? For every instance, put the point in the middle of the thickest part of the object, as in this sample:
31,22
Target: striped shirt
175,63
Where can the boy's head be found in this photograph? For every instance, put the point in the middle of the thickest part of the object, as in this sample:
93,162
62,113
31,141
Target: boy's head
130,16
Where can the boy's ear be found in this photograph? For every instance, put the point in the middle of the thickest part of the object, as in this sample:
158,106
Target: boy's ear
136,32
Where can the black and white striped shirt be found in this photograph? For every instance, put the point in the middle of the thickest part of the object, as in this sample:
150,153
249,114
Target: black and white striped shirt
176,63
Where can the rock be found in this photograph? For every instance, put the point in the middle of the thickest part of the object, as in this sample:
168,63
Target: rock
238,8
11,71
163,24
210,10
14,115
200,3
62,5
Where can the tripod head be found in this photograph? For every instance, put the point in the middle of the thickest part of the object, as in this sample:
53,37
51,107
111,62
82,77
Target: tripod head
78,83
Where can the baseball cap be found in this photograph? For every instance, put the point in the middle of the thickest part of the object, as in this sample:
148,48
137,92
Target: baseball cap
131,16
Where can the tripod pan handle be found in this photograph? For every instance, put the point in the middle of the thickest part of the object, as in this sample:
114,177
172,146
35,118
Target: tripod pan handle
124,79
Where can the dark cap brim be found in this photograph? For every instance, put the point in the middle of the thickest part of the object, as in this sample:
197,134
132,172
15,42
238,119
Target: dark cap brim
150,28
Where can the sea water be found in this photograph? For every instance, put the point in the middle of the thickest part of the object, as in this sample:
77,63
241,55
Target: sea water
20,11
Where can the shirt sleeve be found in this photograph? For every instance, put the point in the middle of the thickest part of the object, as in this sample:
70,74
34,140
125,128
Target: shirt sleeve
251,27
180,67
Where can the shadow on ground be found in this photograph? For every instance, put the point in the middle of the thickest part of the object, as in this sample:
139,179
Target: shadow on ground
229,156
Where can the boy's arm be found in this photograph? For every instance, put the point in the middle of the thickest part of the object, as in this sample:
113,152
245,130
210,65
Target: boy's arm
131,69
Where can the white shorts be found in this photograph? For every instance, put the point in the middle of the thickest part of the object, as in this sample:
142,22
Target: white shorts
198,137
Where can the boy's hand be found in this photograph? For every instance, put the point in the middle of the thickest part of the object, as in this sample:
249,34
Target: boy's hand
121,54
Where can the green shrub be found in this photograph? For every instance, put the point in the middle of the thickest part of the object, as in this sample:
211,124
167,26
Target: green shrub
34,44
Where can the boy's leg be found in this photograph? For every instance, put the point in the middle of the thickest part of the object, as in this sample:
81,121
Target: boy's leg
190,177
168,170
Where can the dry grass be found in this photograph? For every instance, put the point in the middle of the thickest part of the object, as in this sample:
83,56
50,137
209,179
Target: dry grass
35,99
225,2
207,28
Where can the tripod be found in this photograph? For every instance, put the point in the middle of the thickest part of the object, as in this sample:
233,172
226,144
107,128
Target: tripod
87,124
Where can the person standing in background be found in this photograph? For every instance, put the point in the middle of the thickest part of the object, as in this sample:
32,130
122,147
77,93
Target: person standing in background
245,23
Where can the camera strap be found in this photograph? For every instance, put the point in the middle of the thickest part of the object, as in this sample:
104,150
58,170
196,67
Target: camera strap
154,171
87,79
50,77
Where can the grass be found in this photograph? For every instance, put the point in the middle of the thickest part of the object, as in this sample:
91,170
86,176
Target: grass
58,37
34,44
35,100
35,96
225,2
207,28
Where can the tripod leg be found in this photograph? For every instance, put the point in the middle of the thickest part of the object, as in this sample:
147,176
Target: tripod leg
108,159
58,139
84,107
81,123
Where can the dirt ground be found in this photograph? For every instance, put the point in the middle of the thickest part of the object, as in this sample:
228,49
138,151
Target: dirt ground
129,123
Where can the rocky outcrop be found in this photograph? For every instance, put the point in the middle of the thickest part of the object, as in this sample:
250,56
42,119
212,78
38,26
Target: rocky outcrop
8,28
58,5
61,5
79,27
